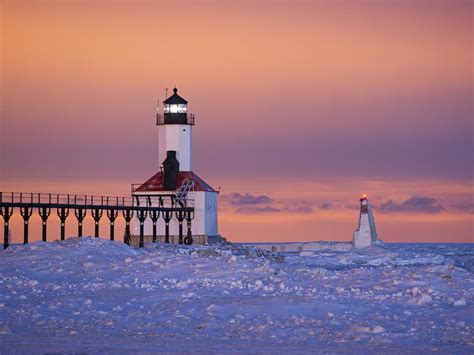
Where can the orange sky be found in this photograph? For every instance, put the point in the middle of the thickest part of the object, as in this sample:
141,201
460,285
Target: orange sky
310,102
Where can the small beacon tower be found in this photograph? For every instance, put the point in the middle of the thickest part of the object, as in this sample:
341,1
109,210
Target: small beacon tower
176,176
365,234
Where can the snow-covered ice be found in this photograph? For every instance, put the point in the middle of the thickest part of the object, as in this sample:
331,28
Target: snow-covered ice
90,295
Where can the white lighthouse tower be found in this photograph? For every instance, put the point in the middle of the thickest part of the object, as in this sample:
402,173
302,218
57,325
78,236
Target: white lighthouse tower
175,130
176,177
365,234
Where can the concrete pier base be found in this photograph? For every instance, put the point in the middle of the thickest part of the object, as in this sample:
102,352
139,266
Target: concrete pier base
197,239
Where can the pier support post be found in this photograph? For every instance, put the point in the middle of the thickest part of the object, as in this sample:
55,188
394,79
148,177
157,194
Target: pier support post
180,217
80,214
26,214
96,214
142,214
154,215
44,213
189,236
63,213
167,217
128,215
6,212
112,215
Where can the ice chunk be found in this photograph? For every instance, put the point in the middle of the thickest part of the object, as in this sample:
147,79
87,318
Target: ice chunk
460,302
4,329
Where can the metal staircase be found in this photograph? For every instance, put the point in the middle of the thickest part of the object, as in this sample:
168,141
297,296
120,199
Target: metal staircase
182,191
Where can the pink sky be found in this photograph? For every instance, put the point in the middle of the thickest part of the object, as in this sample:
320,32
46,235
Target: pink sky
307,103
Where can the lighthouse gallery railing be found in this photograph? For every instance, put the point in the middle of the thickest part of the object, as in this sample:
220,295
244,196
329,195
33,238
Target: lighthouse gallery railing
160,119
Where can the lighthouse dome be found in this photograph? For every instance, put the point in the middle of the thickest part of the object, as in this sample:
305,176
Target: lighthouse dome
175,99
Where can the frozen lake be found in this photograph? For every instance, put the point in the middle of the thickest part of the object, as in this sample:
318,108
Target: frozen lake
90,295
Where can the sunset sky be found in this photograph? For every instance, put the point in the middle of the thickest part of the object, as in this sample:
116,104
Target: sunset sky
301,106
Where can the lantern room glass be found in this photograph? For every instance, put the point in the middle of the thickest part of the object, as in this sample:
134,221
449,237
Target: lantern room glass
175,108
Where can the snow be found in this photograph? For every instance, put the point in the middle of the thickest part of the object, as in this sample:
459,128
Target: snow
91,295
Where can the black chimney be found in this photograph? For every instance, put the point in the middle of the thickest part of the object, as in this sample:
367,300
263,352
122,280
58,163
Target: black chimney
171,169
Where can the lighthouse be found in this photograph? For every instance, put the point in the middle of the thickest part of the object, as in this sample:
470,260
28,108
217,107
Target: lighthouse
175,177
365,234
175,129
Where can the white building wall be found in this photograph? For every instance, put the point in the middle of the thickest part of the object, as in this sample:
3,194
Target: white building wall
211,226
365,234
373,230
177,137
204,222
362,236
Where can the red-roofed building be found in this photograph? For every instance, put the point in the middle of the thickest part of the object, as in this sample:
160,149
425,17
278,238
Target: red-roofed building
176,176
155,183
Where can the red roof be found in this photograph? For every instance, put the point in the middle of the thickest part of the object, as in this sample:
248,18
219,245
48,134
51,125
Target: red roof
155,183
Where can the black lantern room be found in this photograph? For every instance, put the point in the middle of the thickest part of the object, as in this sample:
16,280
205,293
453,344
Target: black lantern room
175,111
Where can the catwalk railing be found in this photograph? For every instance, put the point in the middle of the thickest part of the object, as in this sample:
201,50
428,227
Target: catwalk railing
166,206
186,118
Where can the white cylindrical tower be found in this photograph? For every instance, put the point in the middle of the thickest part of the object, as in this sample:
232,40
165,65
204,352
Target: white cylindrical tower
175,131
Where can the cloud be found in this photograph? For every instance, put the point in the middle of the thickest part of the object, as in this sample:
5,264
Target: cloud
415,204
257,210
237,199
465,206
263,204
325,205
302,207
352,206
251,204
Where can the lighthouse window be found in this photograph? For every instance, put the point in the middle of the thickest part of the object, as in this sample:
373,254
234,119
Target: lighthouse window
182,108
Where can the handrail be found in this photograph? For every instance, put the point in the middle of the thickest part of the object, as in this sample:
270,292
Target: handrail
160,119
41,198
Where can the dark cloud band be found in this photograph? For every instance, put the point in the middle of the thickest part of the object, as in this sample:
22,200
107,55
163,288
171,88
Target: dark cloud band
415,204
